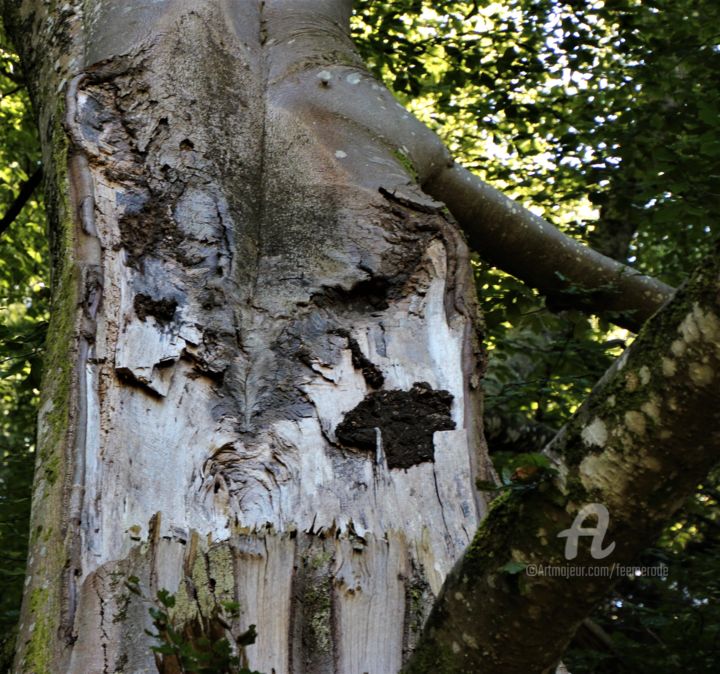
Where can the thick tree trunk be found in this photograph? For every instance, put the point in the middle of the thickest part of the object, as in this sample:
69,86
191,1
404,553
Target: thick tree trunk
264,362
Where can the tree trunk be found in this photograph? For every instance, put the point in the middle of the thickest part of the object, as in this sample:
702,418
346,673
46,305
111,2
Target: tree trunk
263,369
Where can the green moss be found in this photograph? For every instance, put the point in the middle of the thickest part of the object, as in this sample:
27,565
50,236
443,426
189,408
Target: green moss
418,597
504,510
51,468
220,563
436,659
317,610
58,364
122,596
212,578
37,654
320,560
513,525
43,606
405,162
316,597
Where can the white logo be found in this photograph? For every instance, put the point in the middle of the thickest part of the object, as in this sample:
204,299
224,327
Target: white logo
598,532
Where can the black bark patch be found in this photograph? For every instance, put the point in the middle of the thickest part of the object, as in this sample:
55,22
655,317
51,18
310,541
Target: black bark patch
406,419
368,295
148,231
370,372
163,310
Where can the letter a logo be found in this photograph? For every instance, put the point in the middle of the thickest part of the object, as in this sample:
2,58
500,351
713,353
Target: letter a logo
598,533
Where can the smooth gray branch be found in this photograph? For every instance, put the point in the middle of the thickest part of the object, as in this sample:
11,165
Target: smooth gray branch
523,244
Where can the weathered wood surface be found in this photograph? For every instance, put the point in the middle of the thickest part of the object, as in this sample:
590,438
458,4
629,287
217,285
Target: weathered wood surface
254,267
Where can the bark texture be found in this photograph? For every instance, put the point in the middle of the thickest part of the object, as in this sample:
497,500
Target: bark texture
648,433
254,303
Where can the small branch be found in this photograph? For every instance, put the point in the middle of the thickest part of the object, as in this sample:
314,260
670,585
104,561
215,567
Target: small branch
12,92
521,243
13,77
590,634
26,191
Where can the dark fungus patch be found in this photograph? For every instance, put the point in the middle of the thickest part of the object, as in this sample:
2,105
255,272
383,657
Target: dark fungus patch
370,372
163,310
406,419
147,232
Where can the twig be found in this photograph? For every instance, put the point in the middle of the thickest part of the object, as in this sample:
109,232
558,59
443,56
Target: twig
26,190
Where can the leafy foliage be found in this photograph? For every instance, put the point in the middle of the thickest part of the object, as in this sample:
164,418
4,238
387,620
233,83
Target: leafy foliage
23,316
520,472
197,648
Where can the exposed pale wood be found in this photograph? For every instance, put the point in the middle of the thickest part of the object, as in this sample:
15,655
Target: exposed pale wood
245,245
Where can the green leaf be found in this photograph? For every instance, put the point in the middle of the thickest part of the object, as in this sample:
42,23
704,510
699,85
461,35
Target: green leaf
512,568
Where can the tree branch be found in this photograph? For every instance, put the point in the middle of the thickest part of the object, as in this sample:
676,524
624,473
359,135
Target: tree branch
648,433
26,190
521,243
17,79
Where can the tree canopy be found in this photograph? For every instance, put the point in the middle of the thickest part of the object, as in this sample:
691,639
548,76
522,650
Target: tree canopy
604,118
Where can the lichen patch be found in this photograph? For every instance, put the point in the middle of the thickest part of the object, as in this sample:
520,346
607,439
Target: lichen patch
632,381
635,422
595,433
678,347
701,374
644,375
651,408
689,329
669,367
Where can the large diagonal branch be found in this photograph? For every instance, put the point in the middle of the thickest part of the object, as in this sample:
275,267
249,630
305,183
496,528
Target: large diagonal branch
648,433
523,244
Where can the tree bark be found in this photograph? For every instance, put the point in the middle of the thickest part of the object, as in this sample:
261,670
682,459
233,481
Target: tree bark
263,370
